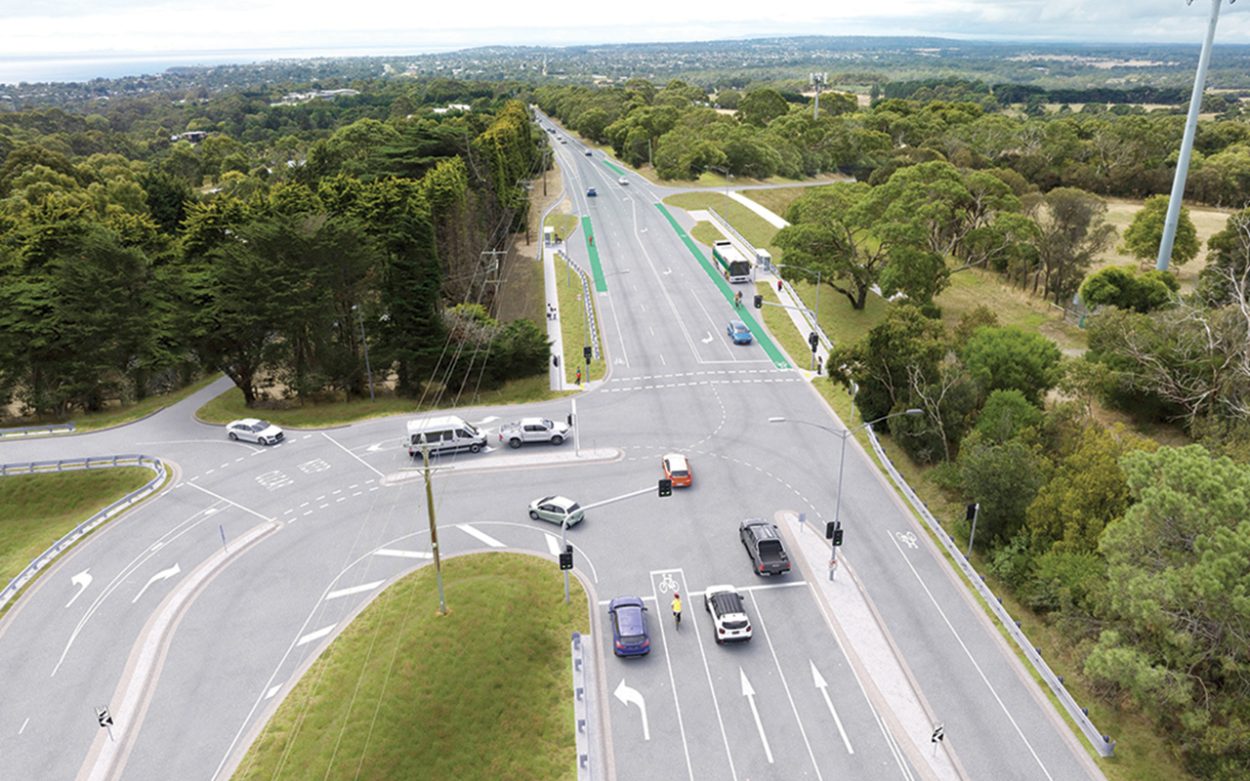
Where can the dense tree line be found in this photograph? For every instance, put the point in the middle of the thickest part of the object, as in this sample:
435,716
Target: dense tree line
127,271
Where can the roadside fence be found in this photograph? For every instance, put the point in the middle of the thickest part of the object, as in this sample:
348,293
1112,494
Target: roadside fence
74,464
587,301
29,431
1101,743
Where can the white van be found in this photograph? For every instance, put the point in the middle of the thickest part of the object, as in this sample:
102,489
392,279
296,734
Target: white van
446,434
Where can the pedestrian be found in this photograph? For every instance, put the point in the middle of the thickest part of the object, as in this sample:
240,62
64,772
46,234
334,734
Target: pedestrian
738,299
579,375
778,284
820,365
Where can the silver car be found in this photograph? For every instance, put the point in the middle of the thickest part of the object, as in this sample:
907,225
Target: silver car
262,432
533,430
557,509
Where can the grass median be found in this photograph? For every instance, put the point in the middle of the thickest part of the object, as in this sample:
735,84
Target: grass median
575,328
482,693
37,510
229,405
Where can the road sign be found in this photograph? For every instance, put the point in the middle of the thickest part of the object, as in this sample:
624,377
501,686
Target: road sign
666,487
939,734
103,716
566,558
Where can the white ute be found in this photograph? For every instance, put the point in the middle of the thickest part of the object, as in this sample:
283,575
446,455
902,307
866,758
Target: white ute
724,603
533,430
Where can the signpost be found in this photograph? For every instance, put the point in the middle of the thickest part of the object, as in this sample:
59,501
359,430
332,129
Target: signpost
105,719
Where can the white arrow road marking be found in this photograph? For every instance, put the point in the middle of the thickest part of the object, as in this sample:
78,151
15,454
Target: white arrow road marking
317,635
749,693
629,696
667,271
82,580
481,536
164,574
820,683
347,592
380,446
403,554
707,340
488,419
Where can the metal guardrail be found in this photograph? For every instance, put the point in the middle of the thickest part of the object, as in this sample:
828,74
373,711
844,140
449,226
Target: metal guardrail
74,464
591,319
1103,744
26,431
581,708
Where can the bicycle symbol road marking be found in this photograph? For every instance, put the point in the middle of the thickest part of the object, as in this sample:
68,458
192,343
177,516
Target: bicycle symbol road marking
668,583
908,539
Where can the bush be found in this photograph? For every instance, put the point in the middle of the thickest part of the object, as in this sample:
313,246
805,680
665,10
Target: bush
1010,358
1006,413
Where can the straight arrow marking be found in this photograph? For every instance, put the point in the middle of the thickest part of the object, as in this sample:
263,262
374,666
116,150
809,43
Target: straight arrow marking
628,696
820,683
82,580
749,693
164,574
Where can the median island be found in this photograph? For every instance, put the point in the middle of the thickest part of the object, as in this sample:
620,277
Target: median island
481,693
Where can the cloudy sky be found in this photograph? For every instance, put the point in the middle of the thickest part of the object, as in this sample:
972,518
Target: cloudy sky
60,28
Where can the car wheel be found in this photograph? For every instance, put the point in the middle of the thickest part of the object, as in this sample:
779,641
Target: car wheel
234,437
475,448
720,641
533,515
557,439
514,443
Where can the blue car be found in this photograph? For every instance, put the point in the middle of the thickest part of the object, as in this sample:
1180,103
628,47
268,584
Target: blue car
629,627
590,192
739,332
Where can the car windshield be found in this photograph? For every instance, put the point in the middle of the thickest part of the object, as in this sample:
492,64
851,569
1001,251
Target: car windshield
260,425
545,423
739,327
680,472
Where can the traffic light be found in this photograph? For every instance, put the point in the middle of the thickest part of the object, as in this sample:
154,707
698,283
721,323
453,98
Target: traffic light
837,536
666,487
759,302
833,531
813,340
586,353
566,558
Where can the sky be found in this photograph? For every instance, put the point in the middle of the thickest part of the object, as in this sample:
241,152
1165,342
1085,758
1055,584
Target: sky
169,30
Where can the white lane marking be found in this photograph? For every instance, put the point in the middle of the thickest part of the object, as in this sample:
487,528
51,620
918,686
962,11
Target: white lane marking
82,580
662,360
353,455
480,536
315,635
24,723
759,616
272,691
403,554
347,592
819,682
628,695
323,506
164,574
221,498
749,693
971,658
314,466
553,544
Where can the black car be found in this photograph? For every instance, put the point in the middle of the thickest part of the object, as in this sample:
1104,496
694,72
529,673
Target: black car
763,543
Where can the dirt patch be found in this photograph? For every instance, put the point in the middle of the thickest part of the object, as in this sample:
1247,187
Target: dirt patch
1207,221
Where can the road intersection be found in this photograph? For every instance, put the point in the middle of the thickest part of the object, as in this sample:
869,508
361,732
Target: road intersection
202,606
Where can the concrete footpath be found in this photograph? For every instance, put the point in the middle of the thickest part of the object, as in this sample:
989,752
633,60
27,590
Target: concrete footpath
879,668
554,369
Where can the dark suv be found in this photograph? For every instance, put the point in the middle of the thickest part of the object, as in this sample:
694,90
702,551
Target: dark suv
763,543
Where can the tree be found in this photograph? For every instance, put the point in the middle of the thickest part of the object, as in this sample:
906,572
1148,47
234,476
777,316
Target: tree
1011,358
1143,235
760,106
831,233
879,365
1123,287
1003,479
1005,415
1228,266
1072,231
1180,610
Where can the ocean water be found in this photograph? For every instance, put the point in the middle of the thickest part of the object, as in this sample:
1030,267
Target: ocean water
62,68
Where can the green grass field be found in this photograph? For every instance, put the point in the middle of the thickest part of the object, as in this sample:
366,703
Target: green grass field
706,233
229,405
778,199
37,510
482,693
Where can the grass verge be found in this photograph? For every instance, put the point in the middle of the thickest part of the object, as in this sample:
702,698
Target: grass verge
229,405
126,413
481,693
753,227
564,224
706,233
574,328
37,510
778,199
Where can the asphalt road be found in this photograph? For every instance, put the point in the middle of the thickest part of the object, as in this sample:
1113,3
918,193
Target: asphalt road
330,525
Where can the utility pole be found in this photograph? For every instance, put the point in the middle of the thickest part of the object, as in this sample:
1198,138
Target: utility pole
818,80
1187,141
429,504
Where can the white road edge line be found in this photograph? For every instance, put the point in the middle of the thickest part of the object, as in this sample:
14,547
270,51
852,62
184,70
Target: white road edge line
315,635
403,554
971,658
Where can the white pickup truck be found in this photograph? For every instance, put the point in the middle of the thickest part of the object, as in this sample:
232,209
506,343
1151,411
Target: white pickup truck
533,430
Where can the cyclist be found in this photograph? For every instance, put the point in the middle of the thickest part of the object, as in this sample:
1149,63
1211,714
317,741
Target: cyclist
677,608
738,299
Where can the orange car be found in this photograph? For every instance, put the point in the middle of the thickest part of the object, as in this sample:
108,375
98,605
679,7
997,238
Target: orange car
677,469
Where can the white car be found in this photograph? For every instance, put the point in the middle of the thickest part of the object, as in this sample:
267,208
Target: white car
622,181
262,432
729,617
533,430
557,509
